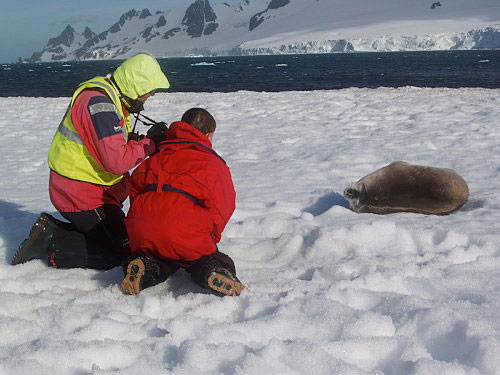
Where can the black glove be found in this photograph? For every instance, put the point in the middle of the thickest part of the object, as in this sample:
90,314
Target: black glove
134,136
158,132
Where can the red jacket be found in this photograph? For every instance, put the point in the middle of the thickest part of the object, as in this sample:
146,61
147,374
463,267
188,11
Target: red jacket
108,146
181,198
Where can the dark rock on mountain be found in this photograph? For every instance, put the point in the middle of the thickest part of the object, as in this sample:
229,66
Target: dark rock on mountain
210,28
90,43
161,22
88,34
127,17
258,18
200,19
170,33
240,7
36,56
436,4
150,32
147,32
275,4
144,14
66,38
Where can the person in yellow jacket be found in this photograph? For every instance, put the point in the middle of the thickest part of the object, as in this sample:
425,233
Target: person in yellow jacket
89,159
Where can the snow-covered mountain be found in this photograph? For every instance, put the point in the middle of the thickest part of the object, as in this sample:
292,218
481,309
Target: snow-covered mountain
62,46
287,26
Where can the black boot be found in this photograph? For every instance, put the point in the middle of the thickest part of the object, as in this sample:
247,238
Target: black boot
37,244
224,283
133,281
217,272
144,271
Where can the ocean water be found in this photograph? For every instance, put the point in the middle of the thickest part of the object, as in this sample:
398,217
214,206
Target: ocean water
478,68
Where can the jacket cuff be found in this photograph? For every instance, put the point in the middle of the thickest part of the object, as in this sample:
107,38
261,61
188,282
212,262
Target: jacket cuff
149,146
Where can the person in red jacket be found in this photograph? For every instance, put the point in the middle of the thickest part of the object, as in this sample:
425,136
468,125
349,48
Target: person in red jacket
181,198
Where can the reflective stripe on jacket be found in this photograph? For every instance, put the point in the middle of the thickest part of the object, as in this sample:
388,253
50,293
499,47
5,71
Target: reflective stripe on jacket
68,155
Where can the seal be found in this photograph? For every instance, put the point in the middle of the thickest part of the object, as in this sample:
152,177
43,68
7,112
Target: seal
404,187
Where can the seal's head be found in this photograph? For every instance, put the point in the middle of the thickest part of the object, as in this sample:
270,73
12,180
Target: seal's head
356,195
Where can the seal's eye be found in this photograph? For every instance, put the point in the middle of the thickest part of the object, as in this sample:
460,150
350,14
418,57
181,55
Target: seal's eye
351,193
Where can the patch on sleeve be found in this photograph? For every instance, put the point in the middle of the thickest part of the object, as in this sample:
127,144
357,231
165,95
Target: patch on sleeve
105,117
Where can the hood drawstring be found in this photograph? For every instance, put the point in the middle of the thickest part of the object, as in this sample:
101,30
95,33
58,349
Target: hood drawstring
150,123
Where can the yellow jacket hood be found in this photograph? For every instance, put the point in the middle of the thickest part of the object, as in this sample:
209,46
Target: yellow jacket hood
139,75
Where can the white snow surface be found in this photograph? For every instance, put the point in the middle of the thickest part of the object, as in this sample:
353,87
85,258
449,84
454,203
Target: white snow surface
329,291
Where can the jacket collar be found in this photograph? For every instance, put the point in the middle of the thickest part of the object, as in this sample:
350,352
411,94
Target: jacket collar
183,135
182,131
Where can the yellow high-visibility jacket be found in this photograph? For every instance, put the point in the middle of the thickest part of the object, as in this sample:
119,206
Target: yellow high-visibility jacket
68,155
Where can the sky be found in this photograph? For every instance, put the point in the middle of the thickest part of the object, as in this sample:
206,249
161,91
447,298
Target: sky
329,291
27,25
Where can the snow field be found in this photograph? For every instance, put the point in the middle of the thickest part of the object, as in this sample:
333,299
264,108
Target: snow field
330,291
